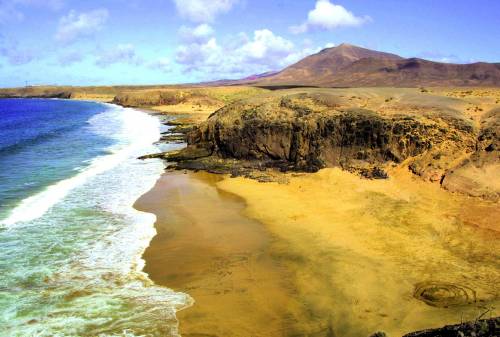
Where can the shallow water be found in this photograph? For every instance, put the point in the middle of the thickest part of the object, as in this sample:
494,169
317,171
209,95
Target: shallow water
70,240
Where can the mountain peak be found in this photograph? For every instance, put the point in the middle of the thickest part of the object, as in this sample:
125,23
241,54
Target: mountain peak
350,65
342,46
346,45
355,53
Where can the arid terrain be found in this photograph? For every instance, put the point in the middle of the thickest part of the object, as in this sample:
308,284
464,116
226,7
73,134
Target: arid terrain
334,211
401,238
351,66
445,136
249,168
329,245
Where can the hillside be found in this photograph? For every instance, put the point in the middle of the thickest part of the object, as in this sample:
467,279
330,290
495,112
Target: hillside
352,66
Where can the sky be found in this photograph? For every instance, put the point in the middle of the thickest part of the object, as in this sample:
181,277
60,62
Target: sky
108,42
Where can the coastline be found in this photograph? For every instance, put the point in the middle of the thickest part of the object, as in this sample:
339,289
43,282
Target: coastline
289,278
80,241
273,285
230,286
206,247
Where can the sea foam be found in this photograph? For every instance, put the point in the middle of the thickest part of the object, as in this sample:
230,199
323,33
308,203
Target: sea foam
137,131
79,244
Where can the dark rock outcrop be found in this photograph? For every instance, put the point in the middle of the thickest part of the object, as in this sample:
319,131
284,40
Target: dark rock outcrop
479,328
302,132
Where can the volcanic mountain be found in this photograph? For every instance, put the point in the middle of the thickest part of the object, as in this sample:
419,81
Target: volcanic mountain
352,66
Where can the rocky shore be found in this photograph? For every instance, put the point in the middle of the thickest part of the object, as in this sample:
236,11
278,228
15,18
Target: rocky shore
438,137
305,132
311,129
28,94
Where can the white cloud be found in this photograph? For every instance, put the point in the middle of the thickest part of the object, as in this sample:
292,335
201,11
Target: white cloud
203,10
328,16
266,47
122,53
242,56
200,34
197,56
76,25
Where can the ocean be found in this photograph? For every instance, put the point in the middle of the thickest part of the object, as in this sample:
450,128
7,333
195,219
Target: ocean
70,240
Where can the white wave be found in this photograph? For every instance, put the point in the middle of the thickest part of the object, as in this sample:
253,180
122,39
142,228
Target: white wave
131,128
108,266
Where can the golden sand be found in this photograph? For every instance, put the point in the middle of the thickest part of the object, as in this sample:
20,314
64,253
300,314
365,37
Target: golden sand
328,253
365,247
207,248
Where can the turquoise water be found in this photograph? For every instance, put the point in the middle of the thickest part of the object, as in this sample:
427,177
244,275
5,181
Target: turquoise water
70,240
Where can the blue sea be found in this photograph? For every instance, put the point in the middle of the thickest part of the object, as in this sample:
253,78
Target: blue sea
70,240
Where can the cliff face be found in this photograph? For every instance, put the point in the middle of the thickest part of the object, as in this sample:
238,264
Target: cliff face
476,175
163,97
302,132
307,131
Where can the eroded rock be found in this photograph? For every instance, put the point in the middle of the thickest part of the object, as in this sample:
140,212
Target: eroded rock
477,175
306,132
479,328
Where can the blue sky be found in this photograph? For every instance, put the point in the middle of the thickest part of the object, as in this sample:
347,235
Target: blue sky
177,41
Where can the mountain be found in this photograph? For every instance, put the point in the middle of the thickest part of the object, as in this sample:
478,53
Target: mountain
352,66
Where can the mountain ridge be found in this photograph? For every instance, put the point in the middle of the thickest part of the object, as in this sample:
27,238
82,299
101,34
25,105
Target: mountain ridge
351,66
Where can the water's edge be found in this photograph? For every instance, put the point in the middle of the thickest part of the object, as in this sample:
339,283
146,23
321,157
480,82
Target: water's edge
94,285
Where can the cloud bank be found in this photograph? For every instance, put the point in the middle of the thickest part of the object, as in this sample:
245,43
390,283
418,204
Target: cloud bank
203,11
122,53
242,55
329,16
74,26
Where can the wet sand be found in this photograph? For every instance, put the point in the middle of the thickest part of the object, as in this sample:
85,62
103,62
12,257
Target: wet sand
328,254
207,248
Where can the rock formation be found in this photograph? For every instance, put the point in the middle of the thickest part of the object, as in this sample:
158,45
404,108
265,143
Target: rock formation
479,328
307,131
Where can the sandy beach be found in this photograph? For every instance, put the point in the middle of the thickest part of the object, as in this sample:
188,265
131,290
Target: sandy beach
324,254
206,247
237,168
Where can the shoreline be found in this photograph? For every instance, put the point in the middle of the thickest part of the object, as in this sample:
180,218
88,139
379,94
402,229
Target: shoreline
96,244
275,253
269,276
221,258
293,310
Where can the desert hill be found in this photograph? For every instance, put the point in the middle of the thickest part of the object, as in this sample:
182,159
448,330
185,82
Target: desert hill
352,66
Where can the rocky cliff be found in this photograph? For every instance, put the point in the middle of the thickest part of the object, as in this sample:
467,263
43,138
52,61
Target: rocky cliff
476,174
307,131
